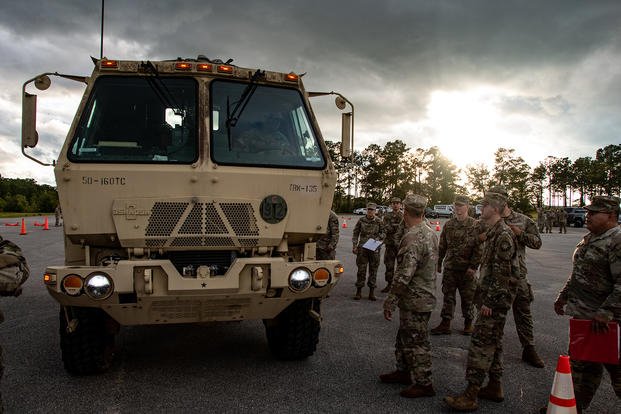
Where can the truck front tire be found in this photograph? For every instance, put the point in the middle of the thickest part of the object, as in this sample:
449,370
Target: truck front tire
294,333
89,349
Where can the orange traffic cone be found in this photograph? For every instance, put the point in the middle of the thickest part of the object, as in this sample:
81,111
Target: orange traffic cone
46,225
344,223
23,232
562,399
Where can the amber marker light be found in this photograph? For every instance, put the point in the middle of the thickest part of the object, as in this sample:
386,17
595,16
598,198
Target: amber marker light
291,77
338,270
49,278
109,64
204,67
72,284
225,69
183,66
321,277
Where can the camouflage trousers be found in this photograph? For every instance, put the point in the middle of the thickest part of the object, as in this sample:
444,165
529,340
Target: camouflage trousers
587,376
485,353
548,227
522,314
412,347
322,254
390,255
367,258
453,280
562,228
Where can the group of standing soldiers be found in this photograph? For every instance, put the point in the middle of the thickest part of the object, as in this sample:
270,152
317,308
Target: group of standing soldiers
547,217
495,246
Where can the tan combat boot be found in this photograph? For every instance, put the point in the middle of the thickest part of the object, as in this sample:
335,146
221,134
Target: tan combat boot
492,391
443,329
529,355
467,401
396,377
371,295
358,294
468,328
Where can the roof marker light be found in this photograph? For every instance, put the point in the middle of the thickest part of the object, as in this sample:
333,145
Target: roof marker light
291,77
183,66
204,67
225,69
109,64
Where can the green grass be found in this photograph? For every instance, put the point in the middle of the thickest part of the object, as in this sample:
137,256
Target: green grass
14,215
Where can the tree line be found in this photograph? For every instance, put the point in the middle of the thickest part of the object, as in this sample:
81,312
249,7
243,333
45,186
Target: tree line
379,173
24,195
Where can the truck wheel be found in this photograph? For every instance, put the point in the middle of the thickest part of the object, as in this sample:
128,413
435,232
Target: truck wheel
294,333
89,349
578,223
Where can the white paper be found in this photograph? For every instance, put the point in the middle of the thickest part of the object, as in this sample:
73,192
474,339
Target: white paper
372,245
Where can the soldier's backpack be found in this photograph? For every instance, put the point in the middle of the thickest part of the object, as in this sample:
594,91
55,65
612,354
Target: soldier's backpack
13,267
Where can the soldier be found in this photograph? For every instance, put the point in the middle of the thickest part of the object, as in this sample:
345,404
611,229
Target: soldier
326,245
526,235
367,227
413,291
497,288
541,219
562,221
391,223
593,291
13,273
57,215
461,251
549,214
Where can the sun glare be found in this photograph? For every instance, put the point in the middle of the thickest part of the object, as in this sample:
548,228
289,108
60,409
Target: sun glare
465,125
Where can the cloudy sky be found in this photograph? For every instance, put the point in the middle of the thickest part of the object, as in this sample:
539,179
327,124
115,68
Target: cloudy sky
542,77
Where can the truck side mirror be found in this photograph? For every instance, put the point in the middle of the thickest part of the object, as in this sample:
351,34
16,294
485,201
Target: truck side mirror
30,137
346,134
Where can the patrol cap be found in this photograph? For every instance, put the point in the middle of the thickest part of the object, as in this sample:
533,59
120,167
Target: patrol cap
371,206
414,202
604,204
499,189
492,197
461,199
395,200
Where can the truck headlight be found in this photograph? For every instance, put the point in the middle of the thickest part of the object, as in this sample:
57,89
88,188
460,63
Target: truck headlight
98,285
300,279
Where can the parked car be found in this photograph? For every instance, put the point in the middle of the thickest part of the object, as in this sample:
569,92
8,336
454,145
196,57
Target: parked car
576,216
444,210
430,213
360,211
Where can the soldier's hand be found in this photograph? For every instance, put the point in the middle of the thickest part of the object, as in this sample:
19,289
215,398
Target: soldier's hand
354,250
515,229
559,306
485,311
470,273
600,324
388,314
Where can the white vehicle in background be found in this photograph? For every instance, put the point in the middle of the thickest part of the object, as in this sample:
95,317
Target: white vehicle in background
444,210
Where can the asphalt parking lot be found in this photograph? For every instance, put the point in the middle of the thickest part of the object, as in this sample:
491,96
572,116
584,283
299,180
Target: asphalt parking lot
228,368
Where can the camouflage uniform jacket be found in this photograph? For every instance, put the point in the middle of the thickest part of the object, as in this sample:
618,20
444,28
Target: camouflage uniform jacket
414,284
329,240
366,229
391,223
13,269
528,238
500,269
594,286
459,244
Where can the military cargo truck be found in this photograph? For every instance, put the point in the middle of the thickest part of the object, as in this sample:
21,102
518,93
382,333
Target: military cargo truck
192,190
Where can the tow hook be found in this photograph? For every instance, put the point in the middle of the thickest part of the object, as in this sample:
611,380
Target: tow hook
72,324
314,314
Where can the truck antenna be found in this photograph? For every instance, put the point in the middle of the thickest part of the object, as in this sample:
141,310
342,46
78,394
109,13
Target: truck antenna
102,29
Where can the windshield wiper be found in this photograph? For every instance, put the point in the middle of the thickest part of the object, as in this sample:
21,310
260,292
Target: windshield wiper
233,117
161,90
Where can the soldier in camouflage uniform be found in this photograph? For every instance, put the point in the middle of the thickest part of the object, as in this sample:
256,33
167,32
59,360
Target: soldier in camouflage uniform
326,245
391,223
498,284
549,216
460,250
562,221
593,291
13,273
526,234
541,219
413,291
367,227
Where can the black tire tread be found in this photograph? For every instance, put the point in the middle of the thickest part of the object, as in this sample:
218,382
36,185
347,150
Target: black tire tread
294,334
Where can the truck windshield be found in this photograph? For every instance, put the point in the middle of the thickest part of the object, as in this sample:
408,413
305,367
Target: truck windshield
138,120
273,130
